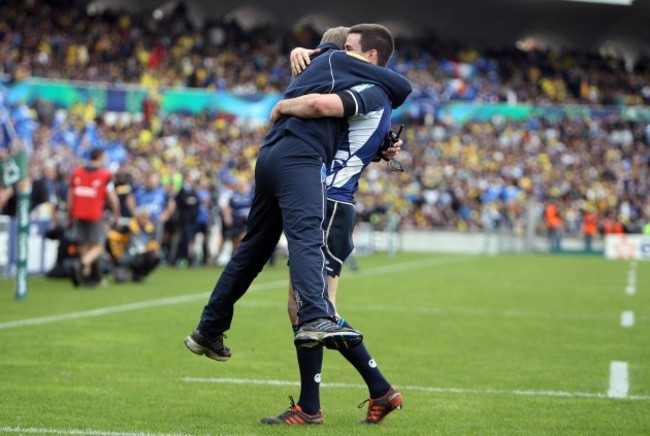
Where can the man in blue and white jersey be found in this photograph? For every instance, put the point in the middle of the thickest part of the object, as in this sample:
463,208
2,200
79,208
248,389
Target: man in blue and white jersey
236,213
153,197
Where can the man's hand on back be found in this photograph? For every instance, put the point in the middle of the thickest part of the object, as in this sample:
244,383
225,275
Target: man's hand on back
300,58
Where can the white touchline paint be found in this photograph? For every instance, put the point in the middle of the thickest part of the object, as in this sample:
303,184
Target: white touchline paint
104,310
33,430
630,289
619,381
627,318
487,391
204,295
618,389
478,312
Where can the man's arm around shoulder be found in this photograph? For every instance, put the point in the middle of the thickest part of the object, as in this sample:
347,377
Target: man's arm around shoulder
309,106
339,105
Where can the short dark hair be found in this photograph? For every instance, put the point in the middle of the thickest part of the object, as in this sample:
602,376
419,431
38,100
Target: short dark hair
96,153
375,37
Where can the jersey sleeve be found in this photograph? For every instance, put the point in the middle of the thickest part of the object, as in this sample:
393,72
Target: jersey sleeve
370,98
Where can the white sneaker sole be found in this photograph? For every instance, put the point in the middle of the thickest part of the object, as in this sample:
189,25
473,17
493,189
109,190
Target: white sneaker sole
199,349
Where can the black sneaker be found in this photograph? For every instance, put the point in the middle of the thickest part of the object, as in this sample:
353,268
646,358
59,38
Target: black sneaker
294,416
77,275
379,408
323,332
210,347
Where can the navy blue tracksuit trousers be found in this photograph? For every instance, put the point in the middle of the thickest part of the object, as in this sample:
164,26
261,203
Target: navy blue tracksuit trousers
289,196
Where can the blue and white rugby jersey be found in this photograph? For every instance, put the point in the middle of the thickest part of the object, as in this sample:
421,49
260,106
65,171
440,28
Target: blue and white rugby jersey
241,203
155,201
366,131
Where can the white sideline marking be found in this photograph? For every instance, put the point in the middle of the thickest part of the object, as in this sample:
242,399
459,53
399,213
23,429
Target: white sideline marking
33,430
630,289
103,311
487,391
204,295
619,382
627,318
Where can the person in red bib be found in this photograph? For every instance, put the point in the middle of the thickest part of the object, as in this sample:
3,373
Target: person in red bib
91,188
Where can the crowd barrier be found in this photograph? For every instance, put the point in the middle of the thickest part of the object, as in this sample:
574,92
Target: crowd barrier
628,247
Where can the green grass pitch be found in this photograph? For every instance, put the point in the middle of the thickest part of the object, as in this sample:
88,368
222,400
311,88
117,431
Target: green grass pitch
503,345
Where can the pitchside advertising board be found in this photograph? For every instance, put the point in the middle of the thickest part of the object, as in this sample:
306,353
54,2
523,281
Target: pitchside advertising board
42,251
629,247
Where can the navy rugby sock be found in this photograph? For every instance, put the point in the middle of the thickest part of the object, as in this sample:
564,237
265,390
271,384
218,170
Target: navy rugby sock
360,358
310,364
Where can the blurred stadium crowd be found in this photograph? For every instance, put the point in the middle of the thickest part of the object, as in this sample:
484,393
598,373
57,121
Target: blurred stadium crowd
117,47
474,176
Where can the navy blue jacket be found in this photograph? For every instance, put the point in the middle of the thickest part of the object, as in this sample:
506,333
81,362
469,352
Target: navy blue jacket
333,71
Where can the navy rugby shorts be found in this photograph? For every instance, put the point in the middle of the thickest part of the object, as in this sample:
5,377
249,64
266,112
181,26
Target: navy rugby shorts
339,224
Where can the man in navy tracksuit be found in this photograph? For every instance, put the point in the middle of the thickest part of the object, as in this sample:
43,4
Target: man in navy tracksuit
290,194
